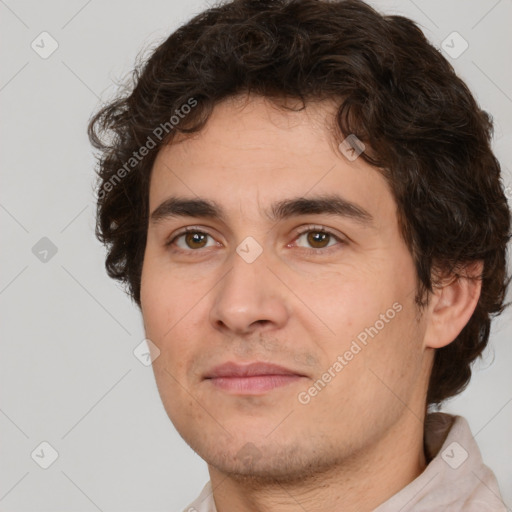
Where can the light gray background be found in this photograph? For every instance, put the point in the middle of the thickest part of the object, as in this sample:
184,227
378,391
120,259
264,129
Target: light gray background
68,374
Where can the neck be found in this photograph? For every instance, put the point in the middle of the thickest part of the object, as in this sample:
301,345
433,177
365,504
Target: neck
360,484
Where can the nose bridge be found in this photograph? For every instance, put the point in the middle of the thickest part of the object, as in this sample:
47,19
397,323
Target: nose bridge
249,295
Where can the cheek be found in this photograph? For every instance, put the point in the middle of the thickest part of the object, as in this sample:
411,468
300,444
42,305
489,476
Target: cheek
373,309
161,295
168,308
157,306
164,315
348,301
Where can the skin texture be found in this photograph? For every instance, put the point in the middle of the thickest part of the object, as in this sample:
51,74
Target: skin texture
359,440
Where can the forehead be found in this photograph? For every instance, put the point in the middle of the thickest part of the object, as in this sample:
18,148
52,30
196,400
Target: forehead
252,151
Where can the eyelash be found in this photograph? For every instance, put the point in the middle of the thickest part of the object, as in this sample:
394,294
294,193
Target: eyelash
307,229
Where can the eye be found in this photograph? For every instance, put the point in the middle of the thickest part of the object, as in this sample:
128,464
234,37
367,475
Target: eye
319,239
192,238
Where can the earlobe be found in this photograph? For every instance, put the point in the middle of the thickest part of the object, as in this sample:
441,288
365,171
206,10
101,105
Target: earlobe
452,303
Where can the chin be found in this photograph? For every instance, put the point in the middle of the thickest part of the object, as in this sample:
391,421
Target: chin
269,464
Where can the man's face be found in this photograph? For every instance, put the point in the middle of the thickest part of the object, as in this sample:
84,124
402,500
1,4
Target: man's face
336,310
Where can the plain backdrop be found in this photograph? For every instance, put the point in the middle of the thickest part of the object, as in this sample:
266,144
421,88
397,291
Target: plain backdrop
68,373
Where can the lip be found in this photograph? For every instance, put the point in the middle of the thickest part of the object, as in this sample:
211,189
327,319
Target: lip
251,379
232,369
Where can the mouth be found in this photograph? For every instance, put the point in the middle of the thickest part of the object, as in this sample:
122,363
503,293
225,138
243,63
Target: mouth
251,379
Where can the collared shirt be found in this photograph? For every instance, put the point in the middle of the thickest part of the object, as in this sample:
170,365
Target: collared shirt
455,479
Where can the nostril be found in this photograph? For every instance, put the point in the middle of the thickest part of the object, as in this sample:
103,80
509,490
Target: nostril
261,322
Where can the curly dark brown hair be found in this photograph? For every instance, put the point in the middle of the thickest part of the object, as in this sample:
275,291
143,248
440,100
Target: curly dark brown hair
394,91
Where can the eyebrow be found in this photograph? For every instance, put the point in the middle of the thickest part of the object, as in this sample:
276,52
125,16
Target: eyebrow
205,208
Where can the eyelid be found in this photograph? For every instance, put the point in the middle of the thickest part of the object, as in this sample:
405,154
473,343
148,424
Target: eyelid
318,227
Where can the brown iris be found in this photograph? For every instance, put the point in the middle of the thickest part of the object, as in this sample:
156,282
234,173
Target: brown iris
195,237
317,237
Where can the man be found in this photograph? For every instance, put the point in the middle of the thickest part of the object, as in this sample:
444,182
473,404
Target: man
302,200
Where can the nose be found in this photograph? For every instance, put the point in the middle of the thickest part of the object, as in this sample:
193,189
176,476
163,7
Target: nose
249,298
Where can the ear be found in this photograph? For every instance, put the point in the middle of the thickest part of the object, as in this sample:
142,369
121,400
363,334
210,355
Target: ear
452,303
